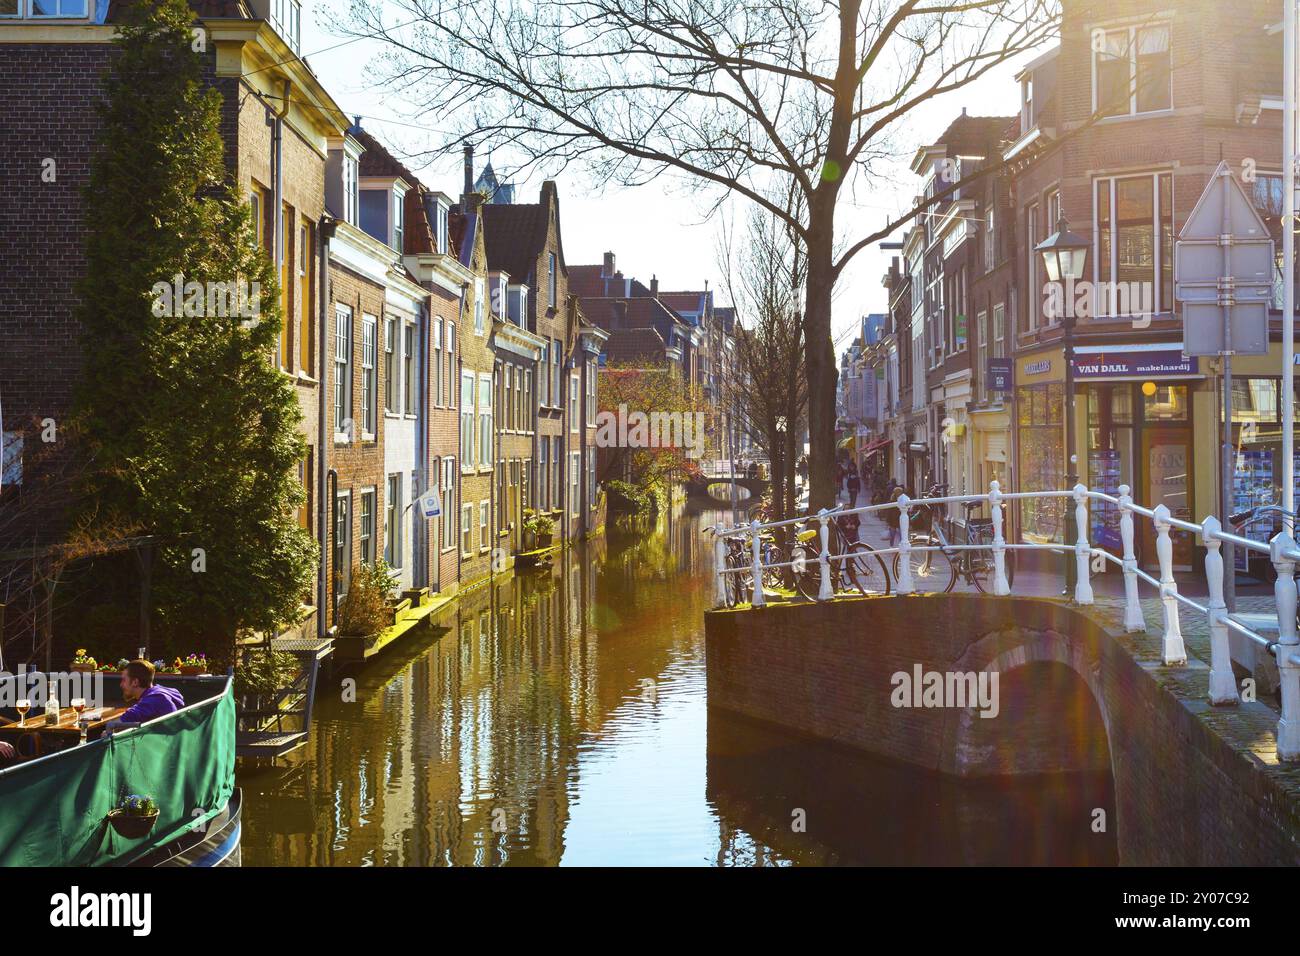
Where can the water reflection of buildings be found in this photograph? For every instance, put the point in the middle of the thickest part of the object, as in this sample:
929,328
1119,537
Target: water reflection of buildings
465,750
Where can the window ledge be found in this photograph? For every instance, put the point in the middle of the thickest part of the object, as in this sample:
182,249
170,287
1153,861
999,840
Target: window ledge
367,438
340,439
1135,117
411,417
388,414
305,379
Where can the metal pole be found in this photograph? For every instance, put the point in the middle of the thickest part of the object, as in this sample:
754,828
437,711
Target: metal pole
1226,462
1288,253
1071,461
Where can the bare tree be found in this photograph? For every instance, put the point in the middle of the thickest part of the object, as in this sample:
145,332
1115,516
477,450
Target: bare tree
766,388
751,98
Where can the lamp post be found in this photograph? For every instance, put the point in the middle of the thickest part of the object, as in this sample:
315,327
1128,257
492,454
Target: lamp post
1064,256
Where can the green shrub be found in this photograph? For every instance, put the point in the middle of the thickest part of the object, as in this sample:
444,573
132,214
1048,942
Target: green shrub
365,609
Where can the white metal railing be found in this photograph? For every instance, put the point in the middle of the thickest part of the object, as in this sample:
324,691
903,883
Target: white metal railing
1282,552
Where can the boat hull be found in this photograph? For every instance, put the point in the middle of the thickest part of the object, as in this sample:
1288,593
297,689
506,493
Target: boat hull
217,844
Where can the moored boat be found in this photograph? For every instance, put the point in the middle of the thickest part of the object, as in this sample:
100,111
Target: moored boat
57,802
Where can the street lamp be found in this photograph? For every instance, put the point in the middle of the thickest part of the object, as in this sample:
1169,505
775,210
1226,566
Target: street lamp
1064,256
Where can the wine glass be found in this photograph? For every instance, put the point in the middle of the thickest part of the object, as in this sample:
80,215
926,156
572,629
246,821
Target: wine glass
79,704
22,707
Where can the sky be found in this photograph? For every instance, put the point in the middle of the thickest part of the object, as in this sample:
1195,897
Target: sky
661,229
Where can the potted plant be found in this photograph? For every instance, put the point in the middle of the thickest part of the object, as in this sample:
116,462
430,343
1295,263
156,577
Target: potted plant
192,665
162,667
83,662
539,530
135,817
364,610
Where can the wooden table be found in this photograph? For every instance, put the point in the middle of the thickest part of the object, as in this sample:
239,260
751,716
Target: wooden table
61,734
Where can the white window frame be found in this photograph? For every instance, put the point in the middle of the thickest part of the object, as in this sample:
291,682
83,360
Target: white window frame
1132,45
369,375
409,362
466,529
448,470
392,377
484,421
480,311
393,510
468,428
342,521
1106,308
342,372
366,511
484,524
27,11
575,394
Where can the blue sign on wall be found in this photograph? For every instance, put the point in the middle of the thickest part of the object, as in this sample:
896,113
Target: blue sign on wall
999,374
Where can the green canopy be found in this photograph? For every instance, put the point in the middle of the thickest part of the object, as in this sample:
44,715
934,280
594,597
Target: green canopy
53,810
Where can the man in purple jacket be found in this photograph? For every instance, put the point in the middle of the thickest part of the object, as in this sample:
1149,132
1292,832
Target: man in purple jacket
147,699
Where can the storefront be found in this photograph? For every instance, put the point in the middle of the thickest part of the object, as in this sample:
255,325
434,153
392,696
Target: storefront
1257,443
1040,442
1137,408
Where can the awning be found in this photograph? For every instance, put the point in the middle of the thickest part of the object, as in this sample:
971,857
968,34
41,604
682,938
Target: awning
876,445
849,443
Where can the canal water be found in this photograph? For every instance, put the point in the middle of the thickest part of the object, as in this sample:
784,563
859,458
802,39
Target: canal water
560,717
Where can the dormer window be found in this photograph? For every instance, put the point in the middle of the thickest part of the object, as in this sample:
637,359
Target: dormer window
399,204
286,17
442,238
1027,101
45,9
518,307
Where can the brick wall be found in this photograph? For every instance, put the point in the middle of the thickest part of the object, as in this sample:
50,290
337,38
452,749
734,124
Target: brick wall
360,462
444,439
477,485
42,233
1072,694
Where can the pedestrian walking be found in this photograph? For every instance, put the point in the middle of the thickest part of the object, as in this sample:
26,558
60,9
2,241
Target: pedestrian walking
891,514
854,485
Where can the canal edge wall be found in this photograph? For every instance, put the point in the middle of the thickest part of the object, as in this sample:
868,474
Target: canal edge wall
1194,785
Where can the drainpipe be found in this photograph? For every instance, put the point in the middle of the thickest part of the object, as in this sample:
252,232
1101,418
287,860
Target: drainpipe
334,493
277,178
324,232
422,448
455,385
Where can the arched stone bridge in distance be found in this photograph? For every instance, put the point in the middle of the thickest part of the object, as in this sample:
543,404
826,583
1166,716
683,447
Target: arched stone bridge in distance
1192,784
699,486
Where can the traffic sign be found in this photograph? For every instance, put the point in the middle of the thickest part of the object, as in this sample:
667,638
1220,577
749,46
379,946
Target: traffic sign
1224,259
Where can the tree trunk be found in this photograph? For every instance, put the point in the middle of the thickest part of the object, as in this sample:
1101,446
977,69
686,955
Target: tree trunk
820,362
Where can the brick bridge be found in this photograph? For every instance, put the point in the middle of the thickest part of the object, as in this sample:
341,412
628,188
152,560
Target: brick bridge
1193,784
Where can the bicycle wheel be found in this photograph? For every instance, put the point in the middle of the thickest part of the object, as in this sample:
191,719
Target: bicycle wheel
865,570
738,582
931,570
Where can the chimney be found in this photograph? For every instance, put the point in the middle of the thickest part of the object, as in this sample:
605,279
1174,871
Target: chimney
608,269
654,286
469,168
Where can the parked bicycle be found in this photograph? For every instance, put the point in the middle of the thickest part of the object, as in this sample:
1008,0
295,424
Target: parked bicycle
1257,565
860,567
939,569
738,582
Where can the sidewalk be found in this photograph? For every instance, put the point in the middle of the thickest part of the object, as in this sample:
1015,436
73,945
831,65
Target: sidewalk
1107,587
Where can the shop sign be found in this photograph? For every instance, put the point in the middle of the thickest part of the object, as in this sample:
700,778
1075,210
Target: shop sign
1132,363
1038,368
999,374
